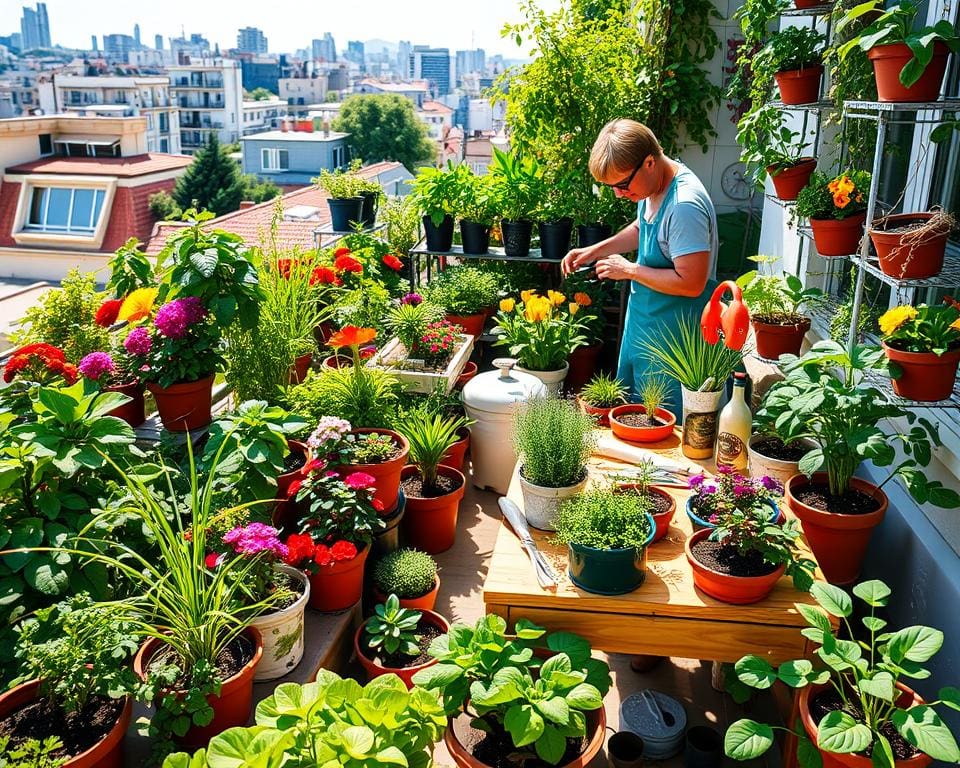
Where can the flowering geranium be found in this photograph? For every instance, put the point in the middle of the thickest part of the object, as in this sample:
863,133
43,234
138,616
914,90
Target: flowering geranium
260,543
107,313
393,262
324,276
347,263
327,436
922,328
184,345
41,363
338,552
730,490
175,318
96,365
439,342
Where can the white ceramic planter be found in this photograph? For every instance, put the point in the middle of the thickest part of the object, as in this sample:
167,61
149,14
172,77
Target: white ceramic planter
778,469
540,503
700,421
282,633
552,380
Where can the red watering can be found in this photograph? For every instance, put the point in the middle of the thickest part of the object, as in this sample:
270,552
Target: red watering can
732,320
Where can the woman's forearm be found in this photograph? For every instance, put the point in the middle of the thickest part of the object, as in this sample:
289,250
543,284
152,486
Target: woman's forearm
624,241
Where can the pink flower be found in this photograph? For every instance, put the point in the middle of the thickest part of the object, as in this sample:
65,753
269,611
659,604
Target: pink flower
174,318
359,481
255,538
138,342
330,430
95,365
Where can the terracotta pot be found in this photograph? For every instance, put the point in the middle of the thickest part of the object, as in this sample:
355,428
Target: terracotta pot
430,525
889,60
106,753
838,542
596,732
456,455
338,586
907,699
468,372
134,412
802,4
386,474
472,324
737,590
184,407
300,367
583,364
789,181
774,340
642,434
800,86
373,669
425,602
600,415
838,237
663,519
924,375
323,332
231,708
906,260
334,362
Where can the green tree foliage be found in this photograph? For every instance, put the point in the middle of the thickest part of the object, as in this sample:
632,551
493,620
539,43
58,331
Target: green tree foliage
259,94
385,127
213,182
258,190
164,207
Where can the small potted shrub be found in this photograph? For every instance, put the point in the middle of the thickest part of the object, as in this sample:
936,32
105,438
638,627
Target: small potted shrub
742,558
730,490
601,395
854,704
771,148
395,640
554,440
467,294
660,504
486,679
409,574
837,209
607,534
774,302
344,199
436,192
647,421
116,371
518,184
794,58
433,491
911,246
476,208
923,345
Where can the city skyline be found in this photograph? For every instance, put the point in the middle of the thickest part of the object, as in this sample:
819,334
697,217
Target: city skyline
288,27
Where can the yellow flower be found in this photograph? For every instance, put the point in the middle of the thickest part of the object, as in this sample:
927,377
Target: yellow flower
137,305
556,297
574,307
525,296
507,305
583,299
894,318
956,324
537,309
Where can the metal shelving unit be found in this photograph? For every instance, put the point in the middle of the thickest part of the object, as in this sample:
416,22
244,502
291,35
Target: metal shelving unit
493,254
817,10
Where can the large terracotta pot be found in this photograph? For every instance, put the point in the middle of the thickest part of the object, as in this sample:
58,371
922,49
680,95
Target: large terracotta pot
231,708
456,455
838,237
338,586
425,602
596,732
789,181
430,525
738,590
472,324
583,364
106,753
134,412
924,375
774,340
889,60
641,434
903,259
800,86
373,669
908,698
300,367
386,474
838,542
661,520
184,407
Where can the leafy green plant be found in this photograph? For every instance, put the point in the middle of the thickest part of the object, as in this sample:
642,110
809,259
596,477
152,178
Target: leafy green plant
332,721
477,202
392,629
682,353
402,218
32,753
834,198
406,573
339,184
408,322
790,49
370,448
776,299
366,400
554,440
826,397
864,675
518,184
541,332
487,673
364,307
436,192
604,391
130,268
430,437
463,290
602,518
766,142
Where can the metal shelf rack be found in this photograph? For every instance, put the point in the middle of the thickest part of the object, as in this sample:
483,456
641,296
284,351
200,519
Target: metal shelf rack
816,10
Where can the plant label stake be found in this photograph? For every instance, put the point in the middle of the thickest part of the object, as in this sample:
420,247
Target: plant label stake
732,321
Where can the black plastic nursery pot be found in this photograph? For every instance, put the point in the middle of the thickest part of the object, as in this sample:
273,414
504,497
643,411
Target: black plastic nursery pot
344,212
609,571
475,237
369,214
516,237
555,238
439,238
591,234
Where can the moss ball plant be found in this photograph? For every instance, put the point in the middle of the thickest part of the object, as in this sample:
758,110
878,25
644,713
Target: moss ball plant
406,573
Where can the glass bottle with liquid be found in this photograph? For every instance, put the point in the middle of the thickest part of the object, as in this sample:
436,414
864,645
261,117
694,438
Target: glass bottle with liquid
735,428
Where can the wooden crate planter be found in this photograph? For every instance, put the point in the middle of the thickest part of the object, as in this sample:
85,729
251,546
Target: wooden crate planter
424,382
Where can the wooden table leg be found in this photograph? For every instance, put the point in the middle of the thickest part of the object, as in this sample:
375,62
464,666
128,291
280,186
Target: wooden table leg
789,756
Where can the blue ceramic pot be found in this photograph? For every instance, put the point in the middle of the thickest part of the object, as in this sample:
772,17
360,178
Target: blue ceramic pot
700,524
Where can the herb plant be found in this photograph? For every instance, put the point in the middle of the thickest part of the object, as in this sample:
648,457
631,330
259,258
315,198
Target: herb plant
518,183
477,200
31,753
654,393
790,49
554,440
436,191
921,329
392,629
602,518
776,299
406,573
402,218
339,184
430,437
370,448
604,391
682,353
767,142
463,290
409,322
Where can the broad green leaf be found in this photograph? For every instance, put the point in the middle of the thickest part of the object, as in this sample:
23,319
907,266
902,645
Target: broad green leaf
527,630
923,728
391,756
524,724
558,663
873,623
880,685
755,672
585,696
799,673
881,755
807,753
950,696
838,732
358,740
573,645
438,676
747,739
551,745
554,709
814,617
916,643
244,747
832,599
44,575
873,592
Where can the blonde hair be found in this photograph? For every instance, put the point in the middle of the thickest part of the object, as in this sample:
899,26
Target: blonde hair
621,146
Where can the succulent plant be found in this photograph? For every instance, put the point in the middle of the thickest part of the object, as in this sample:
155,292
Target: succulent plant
406,573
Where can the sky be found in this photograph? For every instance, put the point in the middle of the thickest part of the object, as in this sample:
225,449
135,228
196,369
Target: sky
288,24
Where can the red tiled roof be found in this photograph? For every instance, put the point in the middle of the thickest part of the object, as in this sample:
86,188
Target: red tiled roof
436,106
124,167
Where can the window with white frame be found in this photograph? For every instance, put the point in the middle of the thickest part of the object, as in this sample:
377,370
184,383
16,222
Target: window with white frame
272,159
64,210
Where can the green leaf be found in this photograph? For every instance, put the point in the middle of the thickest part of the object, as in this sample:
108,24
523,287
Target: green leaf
874,593
573,645
527,630
747,739
923,728
585,696
799,673
916,643
881,755
832,599
554,709
838,732
551,745
391,756
524,724
205,262
358,740
880,685
756,672
950,696
807,753
873,623
558,663
438,676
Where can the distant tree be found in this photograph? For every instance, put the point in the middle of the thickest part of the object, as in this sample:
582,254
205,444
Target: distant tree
258,190
385,127
259,94
164,207
213,181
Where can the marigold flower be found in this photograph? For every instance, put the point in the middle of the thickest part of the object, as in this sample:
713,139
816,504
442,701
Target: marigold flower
351,336
538,309
107,314
583,299
393,262
574,307
556,298
894,318
138,305
324,276
507,305
956,324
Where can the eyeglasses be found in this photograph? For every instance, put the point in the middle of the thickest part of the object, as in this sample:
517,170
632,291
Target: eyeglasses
624,186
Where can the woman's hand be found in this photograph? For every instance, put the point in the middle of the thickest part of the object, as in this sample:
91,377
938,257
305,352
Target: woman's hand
577,258
615,267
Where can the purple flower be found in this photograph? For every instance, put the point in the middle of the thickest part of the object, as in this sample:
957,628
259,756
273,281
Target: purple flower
724,470
174,318
696,481
771,484
255,538
329,429
95,365
138,342
741,489
412,298
708,486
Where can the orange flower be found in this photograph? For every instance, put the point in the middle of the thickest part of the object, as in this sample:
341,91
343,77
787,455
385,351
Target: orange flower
351,336
582,299
507,305
841,201
138,305
525,296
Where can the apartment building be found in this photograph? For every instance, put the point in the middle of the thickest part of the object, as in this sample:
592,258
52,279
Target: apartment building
291,158
263,115
209,95
301,91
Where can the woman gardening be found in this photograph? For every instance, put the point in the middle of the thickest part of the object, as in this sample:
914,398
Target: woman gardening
675,236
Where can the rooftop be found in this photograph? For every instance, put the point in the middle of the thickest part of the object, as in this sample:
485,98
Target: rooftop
295,136
436,106
389,85
123,167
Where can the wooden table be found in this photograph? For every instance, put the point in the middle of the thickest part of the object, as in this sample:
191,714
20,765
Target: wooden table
667,615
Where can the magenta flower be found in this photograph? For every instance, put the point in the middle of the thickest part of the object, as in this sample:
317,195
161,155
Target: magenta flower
412,298
255,538
138,342
696,481
95,365
359,481
771,484
174,318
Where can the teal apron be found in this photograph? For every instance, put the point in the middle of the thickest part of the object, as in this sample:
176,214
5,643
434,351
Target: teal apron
649,310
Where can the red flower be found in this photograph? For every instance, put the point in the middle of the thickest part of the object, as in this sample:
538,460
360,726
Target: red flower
212,560
347,264
367,352
322,556
299,548
359,481
393,262
70,373
314,465
286,266
342,551
107,314
49,359
377,505
324,276
341,252
294,488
